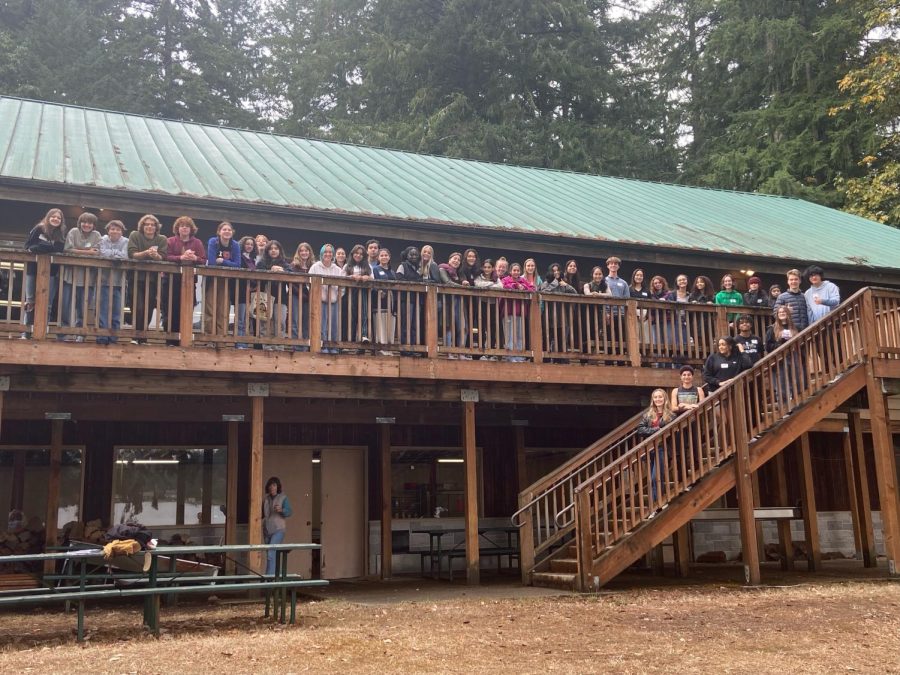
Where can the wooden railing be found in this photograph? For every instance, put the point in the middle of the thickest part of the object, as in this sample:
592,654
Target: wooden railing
631,489
216,306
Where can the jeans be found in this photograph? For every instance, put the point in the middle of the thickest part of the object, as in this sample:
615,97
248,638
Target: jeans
458,321
514,332
275,538
115,320
656,458
330,313
300,319
77,312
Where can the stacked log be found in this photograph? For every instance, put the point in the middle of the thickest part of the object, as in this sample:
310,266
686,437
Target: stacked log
25,540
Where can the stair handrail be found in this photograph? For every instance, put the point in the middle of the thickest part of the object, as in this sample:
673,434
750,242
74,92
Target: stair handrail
577,463
837,342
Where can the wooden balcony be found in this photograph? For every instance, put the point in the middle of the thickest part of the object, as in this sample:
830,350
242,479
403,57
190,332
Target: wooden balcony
253,322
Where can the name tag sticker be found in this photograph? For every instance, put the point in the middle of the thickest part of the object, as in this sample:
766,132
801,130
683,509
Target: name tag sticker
725,365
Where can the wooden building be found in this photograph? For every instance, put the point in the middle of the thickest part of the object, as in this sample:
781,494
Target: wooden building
445,415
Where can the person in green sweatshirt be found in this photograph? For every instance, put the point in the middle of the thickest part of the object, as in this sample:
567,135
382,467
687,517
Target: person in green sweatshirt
729,296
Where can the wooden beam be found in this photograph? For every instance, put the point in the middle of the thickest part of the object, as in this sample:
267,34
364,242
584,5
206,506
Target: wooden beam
521,463
785,540
744,485
431,327
206,497
851,493
860,493
254,520
52,522
384,447
187,290
885,470
810,513
473,572
681,541
231,492
760,539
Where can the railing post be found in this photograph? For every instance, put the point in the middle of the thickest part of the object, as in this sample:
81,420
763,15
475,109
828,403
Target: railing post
535,328
721,323
583,539
315,314
526,539
632,334
186,320
744,484
431,321
41,312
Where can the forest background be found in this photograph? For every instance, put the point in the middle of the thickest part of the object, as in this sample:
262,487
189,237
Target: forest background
787,97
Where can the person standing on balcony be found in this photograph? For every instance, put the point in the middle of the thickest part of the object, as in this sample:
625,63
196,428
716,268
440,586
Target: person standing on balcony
428,268
330,297
276,508
224,252
795,301
678,335
729,295
410,305
774,292
501,268
453,315
303,260
262,243
45,238
357,299
687,395
638,290
752,345
725,364
184,248
701,291
789,372
383,301
513,312
113,246
268,304
755,296
146,244
822,296
470,267
486,308
82,240
243,288
530,272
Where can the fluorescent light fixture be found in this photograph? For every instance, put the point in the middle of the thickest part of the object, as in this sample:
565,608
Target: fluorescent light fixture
147,461
57,416
317,461
451,460
232,418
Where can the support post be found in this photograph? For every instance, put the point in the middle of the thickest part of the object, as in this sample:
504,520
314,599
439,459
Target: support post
851,492
784,526
431,321
4,387
757,502
384,446
885,469
56,441
744,484
521,465
315,314
231,492
535,332
681,541
810,514
254,519
473,572
633,343
42,297
861,489
186,319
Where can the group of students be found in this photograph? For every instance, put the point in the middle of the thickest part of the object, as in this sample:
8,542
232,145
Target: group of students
369,261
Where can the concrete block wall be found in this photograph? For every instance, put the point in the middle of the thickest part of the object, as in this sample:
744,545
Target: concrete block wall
835,534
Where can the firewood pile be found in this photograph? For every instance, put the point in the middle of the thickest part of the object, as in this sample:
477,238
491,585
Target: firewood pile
24,540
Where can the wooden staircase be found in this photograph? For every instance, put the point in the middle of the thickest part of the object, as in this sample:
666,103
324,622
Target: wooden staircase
613,517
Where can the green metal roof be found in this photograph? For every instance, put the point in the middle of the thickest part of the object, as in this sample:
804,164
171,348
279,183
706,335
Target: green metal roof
79,147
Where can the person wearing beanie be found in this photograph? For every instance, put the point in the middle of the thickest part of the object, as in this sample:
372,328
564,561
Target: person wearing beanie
755,296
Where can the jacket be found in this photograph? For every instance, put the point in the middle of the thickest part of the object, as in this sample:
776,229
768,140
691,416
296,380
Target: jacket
718,368
796,302
272,520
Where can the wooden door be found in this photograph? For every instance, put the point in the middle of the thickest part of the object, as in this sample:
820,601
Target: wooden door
294,467
343,500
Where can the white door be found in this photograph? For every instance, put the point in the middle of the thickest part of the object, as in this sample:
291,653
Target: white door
293,466
343,512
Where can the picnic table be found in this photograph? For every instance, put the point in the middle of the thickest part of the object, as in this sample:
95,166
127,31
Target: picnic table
168,581
436,552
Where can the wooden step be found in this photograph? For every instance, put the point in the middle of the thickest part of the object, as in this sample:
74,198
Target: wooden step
564,565
17,580
560,580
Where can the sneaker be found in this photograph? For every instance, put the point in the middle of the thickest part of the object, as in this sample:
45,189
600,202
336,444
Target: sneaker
365,339
79,338
25,336
452,357
135,342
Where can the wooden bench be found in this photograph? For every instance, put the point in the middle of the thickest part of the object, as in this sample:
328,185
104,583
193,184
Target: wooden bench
489,552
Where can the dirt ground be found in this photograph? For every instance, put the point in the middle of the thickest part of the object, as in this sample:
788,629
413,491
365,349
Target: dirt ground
824,626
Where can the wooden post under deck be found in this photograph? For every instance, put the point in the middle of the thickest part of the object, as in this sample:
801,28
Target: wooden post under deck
861,489
186,320
231,492
473,572
254,519
681,542
42,297
810,513
521,467
56,441
744,484
885,468
760,539
384,446
785,540
850,474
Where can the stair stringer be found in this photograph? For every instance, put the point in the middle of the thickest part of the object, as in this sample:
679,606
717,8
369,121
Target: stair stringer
721,479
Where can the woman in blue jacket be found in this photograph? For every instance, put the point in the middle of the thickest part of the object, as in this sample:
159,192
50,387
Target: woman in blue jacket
224,252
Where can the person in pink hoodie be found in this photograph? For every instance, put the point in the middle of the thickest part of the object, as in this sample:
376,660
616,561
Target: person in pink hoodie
514,312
